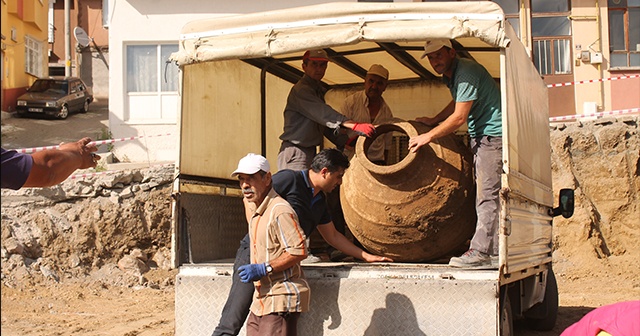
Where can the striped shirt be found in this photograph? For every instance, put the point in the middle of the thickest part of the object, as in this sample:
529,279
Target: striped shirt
274,229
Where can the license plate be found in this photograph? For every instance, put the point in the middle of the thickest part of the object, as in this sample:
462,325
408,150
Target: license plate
35,109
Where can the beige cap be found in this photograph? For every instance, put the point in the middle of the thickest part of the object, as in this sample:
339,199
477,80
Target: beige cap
378,70
315,55
251,164
435,45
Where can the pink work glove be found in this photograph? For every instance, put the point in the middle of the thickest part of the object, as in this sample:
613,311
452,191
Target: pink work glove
364,129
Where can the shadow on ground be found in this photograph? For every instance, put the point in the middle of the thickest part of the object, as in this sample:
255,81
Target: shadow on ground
566,317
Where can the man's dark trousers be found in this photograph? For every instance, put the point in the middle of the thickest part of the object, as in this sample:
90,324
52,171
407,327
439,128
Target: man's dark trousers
236,309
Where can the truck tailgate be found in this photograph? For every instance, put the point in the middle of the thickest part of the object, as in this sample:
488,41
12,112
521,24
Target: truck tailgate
359,299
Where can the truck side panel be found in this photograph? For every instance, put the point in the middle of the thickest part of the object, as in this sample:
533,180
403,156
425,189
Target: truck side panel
359,299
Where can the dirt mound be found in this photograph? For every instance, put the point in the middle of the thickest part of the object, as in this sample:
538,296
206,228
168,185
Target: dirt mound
85,229
600,161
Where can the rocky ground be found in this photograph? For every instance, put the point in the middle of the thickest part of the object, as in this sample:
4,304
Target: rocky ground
91,256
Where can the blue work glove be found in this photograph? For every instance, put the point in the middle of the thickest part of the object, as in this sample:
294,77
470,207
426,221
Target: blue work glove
251,272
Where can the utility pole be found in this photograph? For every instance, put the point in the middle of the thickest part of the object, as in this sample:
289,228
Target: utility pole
67,38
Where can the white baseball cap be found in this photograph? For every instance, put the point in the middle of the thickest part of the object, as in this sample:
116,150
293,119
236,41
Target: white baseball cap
251,164
435,45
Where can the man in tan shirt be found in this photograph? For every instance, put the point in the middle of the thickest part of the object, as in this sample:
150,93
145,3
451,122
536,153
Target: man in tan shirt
368,106
277,248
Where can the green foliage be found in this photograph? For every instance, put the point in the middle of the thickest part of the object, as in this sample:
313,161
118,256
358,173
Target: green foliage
105,134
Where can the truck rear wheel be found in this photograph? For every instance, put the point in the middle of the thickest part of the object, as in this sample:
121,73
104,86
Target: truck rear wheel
545,313
506,314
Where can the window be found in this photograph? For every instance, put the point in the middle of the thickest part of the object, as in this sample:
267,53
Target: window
33,58
105,14
151,83
146,68
512,13
51,28
551,32
555,57
624,33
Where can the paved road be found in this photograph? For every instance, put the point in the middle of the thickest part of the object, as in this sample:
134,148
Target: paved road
38,132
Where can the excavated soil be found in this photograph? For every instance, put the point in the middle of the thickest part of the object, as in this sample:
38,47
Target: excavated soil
91,257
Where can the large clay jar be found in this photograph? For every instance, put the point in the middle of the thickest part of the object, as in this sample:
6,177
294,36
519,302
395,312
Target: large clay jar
418,209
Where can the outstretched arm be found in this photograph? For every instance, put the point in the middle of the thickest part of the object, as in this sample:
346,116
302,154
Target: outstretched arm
444,114
340,242
448,126
53,166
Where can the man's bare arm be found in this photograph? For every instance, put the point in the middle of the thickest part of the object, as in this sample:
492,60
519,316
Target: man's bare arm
53,166
340,242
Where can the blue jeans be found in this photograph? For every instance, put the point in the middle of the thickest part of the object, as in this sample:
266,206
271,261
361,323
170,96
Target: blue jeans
487,158
236,308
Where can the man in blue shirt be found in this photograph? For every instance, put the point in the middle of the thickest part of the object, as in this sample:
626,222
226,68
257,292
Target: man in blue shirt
47,167
476,101
305,191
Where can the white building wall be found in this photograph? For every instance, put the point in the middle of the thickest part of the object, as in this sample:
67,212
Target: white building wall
159,21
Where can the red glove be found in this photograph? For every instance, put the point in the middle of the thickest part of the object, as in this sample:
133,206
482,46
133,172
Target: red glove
364,129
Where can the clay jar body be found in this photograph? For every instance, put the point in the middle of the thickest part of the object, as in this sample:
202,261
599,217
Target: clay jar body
418,209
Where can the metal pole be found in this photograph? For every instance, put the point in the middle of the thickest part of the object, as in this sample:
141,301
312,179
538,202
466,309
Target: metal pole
67,38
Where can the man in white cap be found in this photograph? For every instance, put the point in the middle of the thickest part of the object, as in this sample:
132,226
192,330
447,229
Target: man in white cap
307,116
476,101
305,191
368,106
277,248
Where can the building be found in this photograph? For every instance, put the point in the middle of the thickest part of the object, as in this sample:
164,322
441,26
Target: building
90,62
568,40
34,45
143,87
582,40
24,47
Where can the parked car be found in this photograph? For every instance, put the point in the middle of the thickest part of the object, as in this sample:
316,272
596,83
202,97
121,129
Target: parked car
55,96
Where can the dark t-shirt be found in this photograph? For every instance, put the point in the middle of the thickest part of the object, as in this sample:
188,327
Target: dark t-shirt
294,187
15,169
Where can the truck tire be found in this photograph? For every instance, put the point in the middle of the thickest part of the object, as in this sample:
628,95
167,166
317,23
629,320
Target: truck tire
548,308
506,314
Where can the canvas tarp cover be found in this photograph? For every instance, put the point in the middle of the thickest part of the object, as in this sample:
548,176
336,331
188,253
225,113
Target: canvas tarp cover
293,30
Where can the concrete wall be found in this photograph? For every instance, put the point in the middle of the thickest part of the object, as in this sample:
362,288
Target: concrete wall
94,71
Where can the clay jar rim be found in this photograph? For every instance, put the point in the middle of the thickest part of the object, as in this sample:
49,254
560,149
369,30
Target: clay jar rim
403,126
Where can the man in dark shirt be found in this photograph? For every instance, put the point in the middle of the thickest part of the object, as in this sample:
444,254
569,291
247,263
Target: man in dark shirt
307,116
305,191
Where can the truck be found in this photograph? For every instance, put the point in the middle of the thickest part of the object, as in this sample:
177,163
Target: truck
235,75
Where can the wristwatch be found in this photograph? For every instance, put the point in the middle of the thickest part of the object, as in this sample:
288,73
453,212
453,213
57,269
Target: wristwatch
268,267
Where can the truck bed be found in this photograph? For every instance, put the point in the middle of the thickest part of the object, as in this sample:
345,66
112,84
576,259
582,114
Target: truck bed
359,299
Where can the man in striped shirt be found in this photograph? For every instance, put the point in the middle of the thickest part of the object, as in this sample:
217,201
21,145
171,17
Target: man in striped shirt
277,248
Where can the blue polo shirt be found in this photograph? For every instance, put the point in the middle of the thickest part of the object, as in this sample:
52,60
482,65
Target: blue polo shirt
15,169
294,187
472,82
